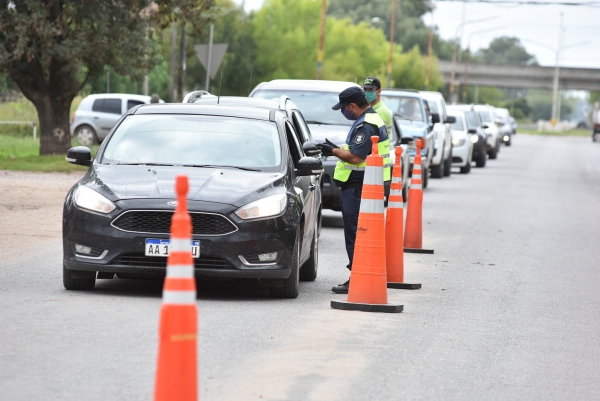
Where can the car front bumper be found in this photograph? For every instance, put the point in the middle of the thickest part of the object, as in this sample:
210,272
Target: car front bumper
461,154
124,252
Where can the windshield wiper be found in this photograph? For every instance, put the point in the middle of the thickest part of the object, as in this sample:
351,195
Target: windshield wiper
221,166
144,164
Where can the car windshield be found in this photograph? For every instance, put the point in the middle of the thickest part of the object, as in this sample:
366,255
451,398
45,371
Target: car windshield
407,108
168,139
458,124
485,116
471,117
315,106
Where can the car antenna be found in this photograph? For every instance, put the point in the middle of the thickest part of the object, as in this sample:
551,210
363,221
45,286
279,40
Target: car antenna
220,80
250,83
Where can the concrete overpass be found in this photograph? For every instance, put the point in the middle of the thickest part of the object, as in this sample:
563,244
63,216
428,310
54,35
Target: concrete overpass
521,76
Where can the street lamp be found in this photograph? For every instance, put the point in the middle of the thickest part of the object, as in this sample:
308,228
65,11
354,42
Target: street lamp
464,91
456,41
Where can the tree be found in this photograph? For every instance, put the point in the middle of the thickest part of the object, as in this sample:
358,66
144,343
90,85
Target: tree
507,50
51,48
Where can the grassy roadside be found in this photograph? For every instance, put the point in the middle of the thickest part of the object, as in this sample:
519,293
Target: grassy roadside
574,132
19,151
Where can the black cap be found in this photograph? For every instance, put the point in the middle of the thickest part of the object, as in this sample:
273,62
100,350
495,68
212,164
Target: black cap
372,82
351,95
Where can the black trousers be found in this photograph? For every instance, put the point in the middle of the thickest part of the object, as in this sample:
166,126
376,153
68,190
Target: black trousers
350,201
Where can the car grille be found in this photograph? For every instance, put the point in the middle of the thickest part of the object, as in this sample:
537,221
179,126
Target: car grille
159,222
139,259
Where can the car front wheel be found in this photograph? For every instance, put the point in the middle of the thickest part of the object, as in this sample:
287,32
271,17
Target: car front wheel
493,152
70,282
438,171
308,271
290,284
448,166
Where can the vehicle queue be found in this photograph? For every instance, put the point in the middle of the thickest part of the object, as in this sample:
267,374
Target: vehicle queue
261,171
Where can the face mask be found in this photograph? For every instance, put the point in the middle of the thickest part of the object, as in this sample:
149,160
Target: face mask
371,96
347,114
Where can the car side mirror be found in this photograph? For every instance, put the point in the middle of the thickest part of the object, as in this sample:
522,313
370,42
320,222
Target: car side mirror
435,118
450,120
80,155
472,131
405,140
310,149
309,166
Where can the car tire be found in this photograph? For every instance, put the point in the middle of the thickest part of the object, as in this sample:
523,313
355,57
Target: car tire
290,286
467,168
72,283
86,136
424,179
493,153
481,160
308,271
405,188
438,171
448,166
507,143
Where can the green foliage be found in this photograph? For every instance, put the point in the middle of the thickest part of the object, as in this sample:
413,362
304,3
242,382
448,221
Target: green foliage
541,105
594,97
507,50
520,108
45,164
410,69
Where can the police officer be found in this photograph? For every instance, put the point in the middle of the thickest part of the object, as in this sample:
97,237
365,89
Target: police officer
350,168
372,87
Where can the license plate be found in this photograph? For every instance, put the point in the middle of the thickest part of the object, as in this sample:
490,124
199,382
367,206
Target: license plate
160,247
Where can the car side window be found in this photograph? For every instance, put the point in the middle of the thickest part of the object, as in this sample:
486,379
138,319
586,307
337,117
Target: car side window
112,106
301,127
133,103
98,104
293,142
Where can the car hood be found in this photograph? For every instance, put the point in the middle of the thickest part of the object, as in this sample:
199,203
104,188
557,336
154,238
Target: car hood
335,133
227,186
412,129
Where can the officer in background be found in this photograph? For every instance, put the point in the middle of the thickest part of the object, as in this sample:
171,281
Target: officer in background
350,168
372,87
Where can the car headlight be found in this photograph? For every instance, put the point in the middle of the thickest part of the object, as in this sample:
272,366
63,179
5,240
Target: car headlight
266,207
89,199
474,138
458,142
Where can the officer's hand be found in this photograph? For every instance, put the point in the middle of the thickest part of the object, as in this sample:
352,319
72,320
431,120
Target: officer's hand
326,149
331,143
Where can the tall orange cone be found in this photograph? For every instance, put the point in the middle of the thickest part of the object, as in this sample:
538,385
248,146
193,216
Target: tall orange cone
394,231
176,373
413,237
368,277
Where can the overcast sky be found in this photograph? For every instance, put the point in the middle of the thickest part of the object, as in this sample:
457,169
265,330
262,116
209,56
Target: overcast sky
536,23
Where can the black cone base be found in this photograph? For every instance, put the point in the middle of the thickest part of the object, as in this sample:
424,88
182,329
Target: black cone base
387,308
417,250
404,286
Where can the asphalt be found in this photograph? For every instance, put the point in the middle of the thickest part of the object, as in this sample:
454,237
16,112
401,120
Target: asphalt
509,308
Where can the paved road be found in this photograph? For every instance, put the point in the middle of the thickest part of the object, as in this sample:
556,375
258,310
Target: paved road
509,308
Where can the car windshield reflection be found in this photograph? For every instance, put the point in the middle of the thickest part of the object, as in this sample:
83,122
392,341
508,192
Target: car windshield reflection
195,141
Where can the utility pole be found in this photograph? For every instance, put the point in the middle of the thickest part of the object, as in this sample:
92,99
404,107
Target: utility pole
454,52
556,72
146,84
210,46
182,64
392,26
321,40
172,90
429,51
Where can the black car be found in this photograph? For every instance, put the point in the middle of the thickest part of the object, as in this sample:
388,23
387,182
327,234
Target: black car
475,127
254,198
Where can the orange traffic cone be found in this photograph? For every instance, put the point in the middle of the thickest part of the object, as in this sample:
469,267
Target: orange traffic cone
176,374
394,231
368,278
413,238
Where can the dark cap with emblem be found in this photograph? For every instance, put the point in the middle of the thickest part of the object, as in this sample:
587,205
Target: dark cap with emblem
372,82
351,95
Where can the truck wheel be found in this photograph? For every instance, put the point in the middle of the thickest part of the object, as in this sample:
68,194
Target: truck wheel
308,271
72,283
290,284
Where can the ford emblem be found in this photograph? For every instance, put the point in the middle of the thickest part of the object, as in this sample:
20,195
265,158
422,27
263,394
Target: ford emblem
172,203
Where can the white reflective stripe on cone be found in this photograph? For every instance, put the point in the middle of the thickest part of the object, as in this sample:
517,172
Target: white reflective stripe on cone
179,297
397,205
180,271
373,176
396,192
371,206
416,176
416,186
178,244
357,168
396,180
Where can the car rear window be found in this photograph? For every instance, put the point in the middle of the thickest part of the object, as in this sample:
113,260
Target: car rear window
112,106
195,140
133,103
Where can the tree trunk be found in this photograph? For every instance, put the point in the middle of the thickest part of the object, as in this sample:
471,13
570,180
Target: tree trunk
55,135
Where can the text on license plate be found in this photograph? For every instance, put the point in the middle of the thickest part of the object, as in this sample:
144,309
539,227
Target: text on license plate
160,247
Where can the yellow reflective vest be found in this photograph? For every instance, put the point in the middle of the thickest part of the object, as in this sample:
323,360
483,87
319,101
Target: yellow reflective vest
343,169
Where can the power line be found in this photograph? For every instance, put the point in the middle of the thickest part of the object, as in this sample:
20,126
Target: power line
594,4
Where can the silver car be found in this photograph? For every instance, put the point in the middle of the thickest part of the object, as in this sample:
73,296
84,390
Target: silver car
97,114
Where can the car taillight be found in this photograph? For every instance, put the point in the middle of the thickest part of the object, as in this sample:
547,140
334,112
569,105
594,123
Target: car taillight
73,118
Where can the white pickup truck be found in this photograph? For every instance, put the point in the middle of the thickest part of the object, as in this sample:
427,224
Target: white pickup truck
441,162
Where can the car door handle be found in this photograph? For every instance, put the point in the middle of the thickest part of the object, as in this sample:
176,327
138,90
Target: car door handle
312,187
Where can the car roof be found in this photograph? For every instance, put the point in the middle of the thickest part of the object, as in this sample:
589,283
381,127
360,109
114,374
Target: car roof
402,92
202,109
309,85
455,111
119,96
273,104
429,95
